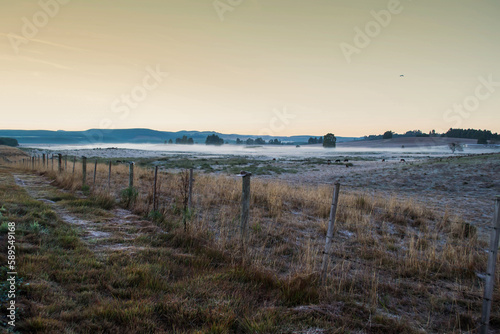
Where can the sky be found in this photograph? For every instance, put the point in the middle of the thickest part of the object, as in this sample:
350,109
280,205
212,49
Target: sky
274,67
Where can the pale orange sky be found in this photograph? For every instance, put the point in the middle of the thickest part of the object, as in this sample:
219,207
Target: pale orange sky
233,75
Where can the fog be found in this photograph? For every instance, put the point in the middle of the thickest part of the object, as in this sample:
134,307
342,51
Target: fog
263,152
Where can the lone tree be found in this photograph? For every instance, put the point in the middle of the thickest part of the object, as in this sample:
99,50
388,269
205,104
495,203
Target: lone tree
455,147
387,135
329,140
214,140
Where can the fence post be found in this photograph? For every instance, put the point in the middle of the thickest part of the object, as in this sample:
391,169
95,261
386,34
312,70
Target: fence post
74,162
95,170
66,162
190,194
52,158
59,162
109,176
154,189
43,161
131,175
329,234
33,162
84,171
490,271
245,207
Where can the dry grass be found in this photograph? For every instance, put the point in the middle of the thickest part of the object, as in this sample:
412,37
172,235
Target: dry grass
396,265
11,154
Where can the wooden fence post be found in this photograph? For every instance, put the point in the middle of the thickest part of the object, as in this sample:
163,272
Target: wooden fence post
95,170
245,207
43,161
84,171
66,162
154,189
329,234
52,158
190,194
131,175
490,271
74,162
59,163
109,176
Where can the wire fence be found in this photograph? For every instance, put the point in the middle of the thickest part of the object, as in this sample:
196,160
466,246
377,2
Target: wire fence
288,223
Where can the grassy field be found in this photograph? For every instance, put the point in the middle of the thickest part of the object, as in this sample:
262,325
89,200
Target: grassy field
396,266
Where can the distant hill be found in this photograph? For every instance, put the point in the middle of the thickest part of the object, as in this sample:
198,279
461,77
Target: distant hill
134,136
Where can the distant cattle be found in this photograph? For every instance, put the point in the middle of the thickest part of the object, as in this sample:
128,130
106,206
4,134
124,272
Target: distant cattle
402,160
346,160
383,160
338,160
329,161
347,166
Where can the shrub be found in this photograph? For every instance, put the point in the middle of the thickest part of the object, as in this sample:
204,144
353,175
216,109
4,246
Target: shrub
129,196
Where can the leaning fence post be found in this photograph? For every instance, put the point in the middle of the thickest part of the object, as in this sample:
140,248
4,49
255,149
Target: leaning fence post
131,175
329,234
490,271
190,194
154,188
59,162
245,206
84,171
95,170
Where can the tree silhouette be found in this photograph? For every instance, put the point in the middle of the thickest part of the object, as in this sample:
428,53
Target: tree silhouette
329,140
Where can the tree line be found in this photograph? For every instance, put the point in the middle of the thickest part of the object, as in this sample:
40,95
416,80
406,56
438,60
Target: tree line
258,141
181,141
9,142
482,136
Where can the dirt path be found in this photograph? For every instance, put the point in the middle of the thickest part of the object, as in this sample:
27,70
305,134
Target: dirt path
119,230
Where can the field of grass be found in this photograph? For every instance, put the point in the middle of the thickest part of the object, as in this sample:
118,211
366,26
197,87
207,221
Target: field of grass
396,266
